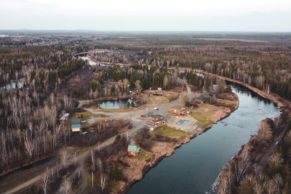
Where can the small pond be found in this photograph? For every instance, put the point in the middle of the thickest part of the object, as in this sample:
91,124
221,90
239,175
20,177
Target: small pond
118,104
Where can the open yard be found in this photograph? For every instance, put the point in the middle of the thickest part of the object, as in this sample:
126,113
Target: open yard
144,155
82,115
226,102
167,131
205,112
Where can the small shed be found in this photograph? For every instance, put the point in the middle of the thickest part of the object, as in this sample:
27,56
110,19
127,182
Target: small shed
133,150
65,117
76,125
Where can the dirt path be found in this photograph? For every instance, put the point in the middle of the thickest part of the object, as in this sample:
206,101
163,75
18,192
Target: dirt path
11,179
32,180
133,116
24,185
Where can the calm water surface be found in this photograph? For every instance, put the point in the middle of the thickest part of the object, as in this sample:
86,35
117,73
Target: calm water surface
195,166
117,104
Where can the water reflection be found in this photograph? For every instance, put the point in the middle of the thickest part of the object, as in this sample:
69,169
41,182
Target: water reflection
117,104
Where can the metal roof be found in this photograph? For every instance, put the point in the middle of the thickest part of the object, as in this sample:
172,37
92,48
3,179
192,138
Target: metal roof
76,123
133,148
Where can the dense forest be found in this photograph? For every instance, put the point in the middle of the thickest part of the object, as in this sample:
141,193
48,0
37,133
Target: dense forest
251,173
30,107
264,66
35,93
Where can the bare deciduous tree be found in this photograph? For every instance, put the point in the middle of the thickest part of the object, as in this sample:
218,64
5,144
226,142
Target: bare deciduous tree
64,157
67,186
258,188
29,144
102,181
44,181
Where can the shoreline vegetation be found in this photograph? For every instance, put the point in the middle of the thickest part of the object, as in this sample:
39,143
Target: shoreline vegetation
282,103
136,168
248,171
147,160
262,164
273,97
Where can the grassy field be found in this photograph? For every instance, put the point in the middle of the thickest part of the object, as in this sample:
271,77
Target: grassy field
120,110
167,131
152,100
225,102
201,118
83,115
203,114
158,99
144,155
167,96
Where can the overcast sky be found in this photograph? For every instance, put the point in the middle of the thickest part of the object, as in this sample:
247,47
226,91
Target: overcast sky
147,15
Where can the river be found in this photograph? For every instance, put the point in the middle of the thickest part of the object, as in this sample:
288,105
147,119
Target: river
195,166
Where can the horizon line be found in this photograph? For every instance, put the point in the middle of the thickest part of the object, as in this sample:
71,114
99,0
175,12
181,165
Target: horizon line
144,31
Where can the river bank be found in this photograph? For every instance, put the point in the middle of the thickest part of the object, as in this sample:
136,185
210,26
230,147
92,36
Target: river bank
195,166
134,168
275,98
259,165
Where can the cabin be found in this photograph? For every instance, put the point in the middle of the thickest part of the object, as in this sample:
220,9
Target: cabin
76,125
179,112
65,117
133,150
156,120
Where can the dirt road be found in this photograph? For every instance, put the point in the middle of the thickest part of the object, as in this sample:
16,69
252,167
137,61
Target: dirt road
133,116
32,180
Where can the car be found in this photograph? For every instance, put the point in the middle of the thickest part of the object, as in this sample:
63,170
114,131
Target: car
277,142
156,108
